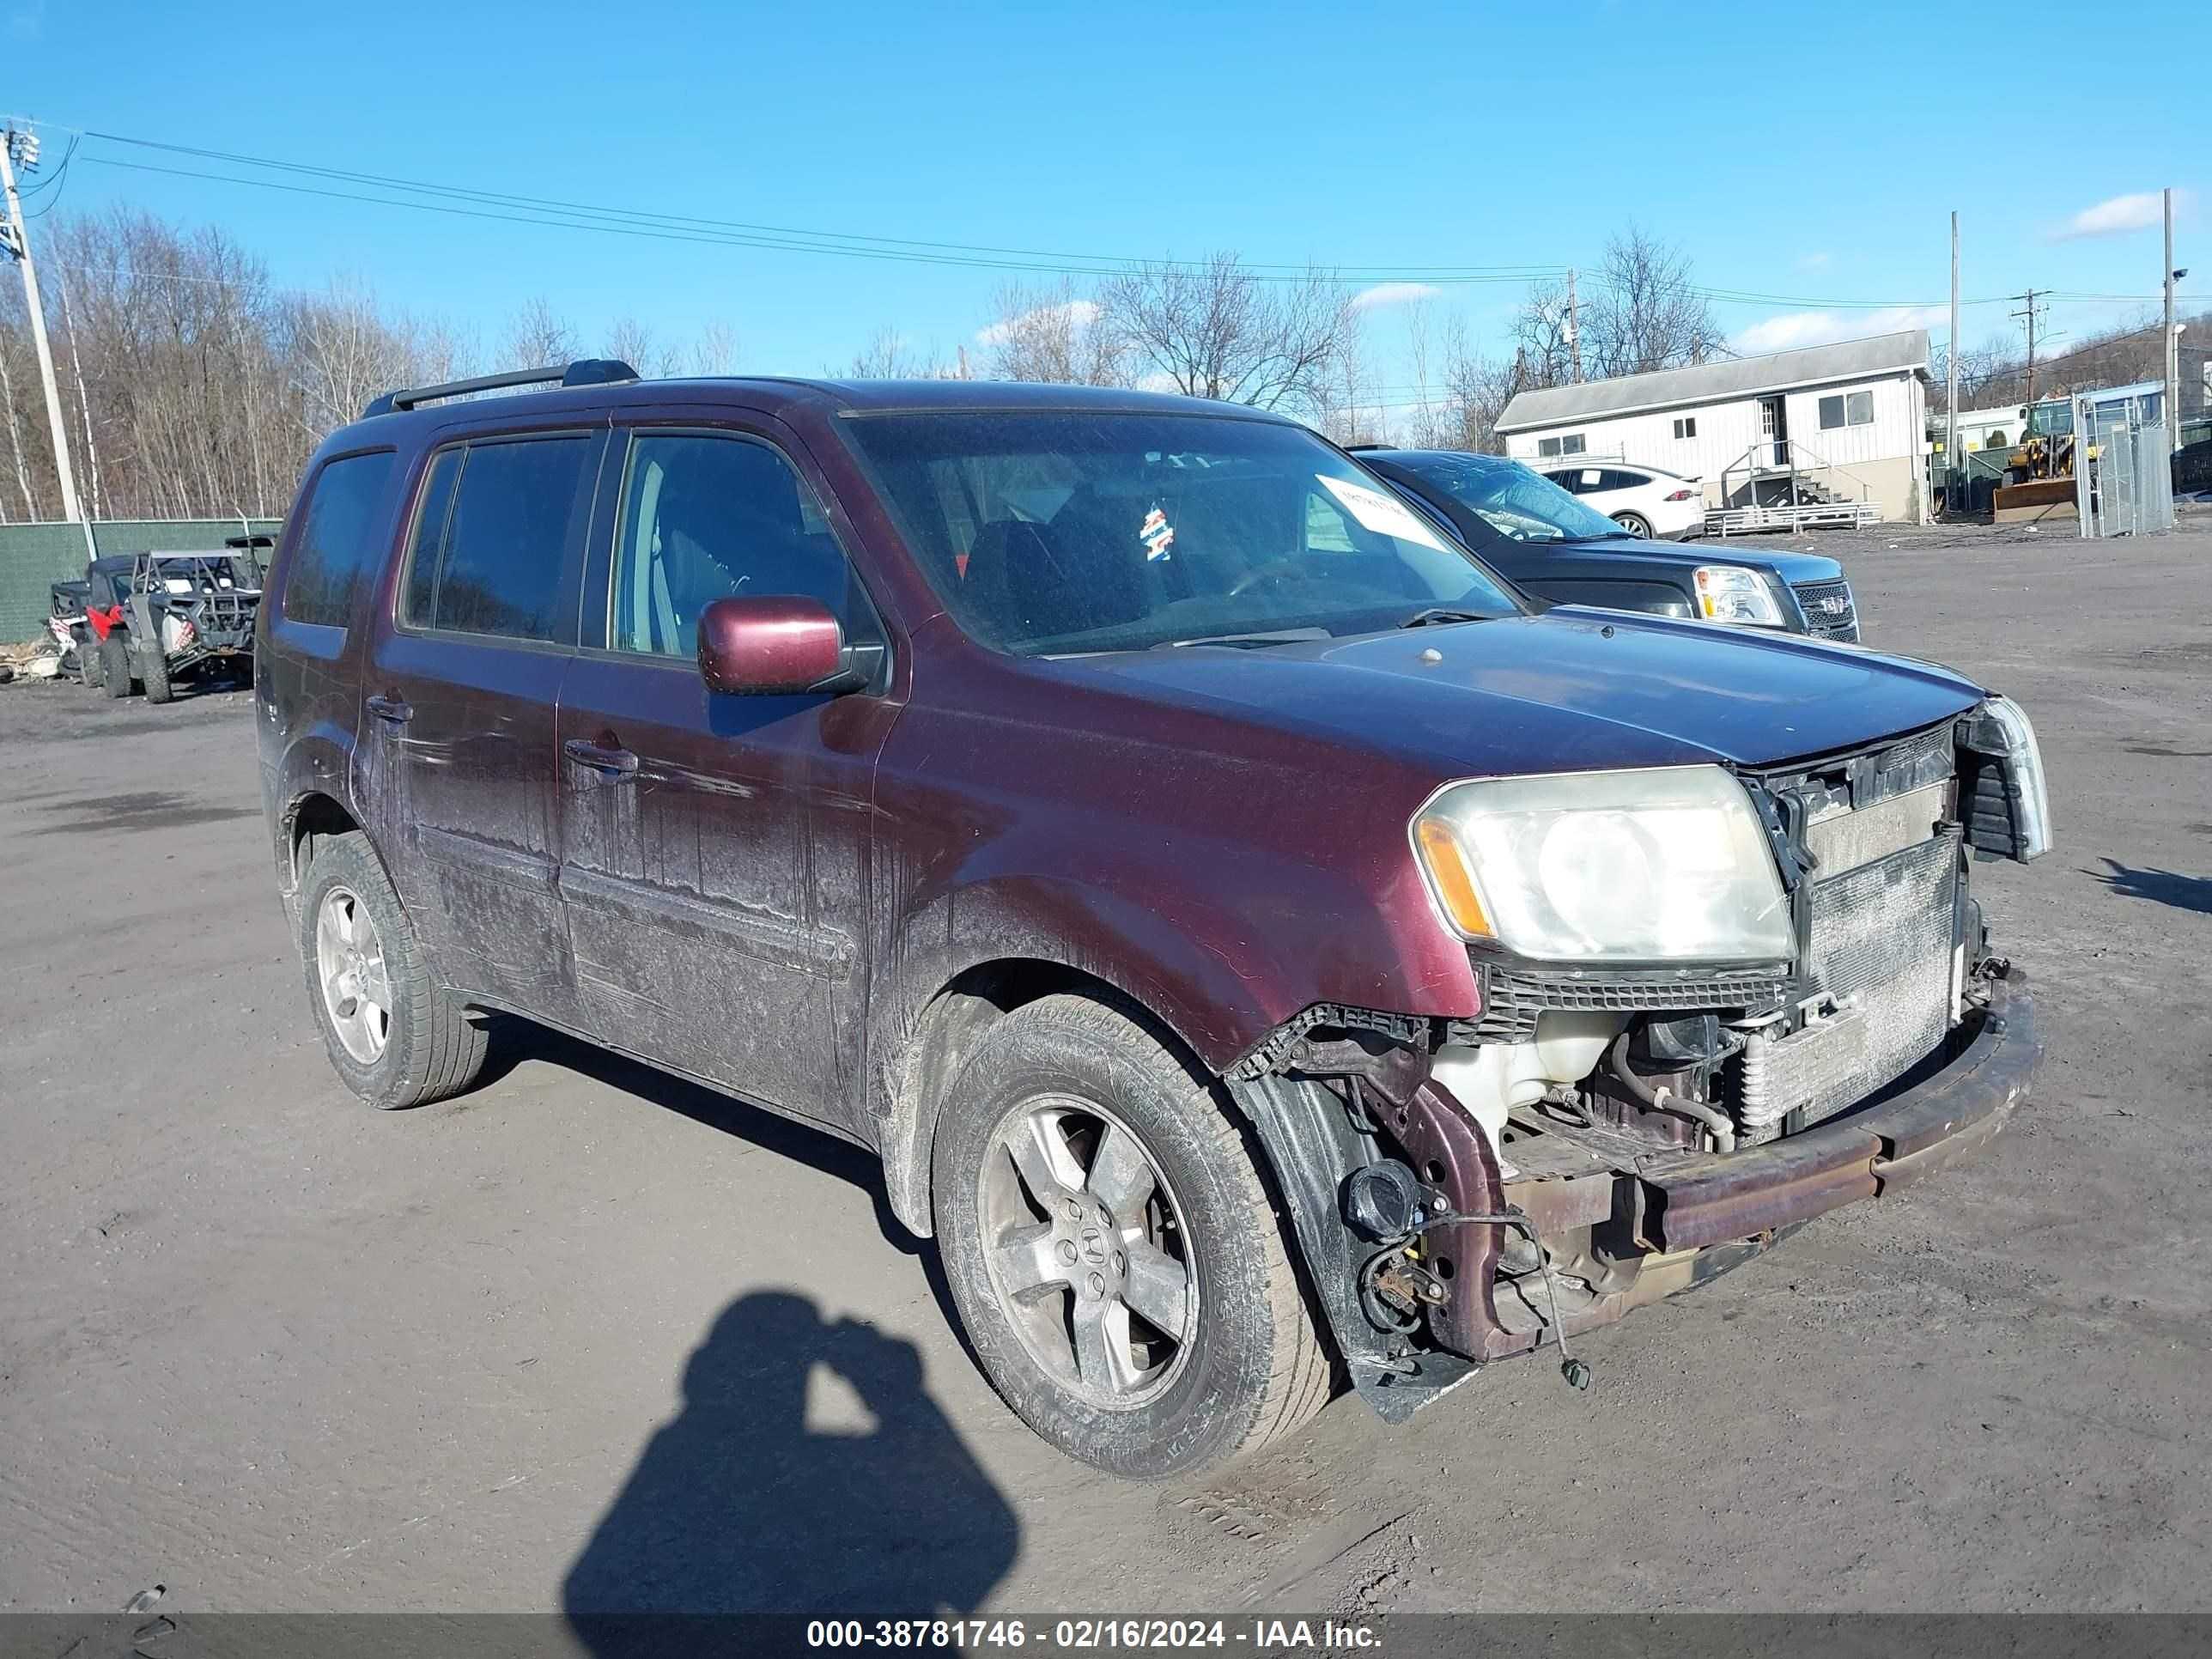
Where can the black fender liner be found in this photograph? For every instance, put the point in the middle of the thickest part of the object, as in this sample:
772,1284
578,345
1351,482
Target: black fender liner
1314,1141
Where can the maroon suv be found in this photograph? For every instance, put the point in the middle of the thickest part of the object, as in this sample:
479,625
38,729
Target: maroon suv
1263,944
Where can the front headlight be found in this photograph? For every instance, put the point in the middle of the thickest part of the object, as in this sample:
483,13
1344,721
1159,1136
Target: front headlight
1663,865
2006,732
1730,594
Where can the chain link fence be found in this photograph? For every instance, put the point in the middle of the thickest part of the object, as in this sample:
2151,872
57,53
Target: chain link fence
2124,466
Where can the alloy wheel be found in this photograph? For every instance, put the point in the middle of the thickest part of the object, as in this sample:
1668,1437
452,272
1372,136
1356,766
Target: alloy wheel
351,967
1087,1251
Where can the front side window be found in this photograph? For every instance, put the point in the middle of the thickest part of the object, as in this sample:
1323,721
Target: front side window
1061,532
706,517
492,538
332,557
1511,500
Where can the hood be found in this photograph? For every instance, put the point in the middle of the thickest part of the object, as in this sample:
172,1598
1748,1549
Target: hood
1792,567
1574,689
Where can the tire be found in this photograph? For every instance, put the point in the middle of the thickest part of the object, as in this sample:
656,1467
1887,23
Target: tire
115,666
89,664
1634,523
154,673
430,1047
1245,1368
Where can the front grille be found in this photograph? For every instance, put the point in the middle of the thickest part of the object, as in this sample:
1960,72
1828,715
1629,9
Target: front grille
1881,940
1831,613
1512,997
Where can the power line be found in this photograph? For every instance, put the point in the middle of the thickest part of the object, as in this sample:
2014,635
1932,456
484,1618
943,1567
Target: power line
468,201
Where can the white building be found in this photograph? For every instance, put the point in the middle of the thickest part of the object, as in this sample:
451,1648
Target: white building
1848,420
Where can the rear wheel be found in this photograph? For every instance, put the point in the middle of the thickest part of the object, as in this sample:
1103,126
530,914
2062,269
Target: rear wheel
396,1036
89,662
1634,523
1116,1260
115,666
155,672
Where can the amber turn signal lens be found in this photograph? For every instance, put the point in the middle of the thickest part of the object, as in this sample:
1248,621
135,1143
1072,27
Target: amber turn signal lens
1454,884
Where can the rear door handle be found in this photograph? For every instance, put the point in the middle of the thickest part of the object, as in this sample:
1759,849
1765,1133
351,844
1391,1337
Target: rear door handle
395,709
614,763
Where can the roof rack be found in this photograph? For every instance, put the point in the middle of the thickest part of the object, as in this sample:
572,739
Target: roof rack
585,371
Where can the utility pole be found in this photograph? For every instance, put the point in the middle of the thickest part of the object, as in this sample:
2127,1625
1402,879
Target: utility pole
2172,341
1575,326
1952,479
24,146
2029,312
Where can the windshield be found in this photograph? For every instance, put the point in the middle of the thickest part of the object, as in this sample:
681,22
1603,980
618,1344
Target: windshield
1062,533
1509,498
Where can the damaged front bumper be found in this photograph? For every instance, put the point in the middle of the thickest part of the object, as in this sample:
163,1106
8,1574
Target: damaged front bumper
1672,1221
1717,1197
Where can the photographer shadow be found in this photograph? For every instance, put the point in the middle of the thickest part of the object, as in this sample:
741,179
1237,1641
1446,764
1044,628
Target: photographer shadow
738,1506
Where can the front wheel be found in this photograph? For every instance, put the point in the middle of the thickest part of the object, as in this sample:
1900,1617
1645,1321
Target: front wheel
155,675
1634,523
1114,1256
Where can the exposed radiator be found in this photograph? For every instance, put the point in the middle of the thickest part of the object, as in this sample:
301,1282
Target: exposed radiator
1881,943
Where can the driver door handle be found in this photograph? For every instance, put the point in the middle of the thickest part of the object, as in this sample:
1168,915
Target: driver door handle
615,764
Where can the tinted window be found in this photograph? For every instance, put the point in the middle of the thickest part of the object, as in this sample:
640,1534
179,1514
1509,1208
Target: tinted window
334,553
706,517
430,537
500,561
1612,480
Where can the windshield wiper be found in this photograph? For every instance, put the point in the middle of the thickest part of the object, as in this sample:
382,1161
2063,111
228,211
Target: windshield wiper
1445,613
1250,641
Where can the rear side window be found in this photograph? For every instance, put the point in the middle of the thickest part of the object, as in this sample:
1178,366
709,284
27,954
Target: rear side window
491,543
335,550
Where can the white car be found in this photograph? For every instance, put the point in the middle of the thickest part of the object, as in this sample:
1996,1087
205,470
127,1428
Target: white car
1644,501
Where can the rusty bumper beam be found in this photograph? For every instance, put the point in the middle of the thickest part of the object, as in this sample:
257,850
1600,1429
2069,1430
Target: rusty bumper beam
1740,1194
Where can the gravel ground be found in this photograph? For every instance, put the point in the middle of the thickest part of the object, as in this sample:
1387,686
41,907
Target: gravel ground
591,1337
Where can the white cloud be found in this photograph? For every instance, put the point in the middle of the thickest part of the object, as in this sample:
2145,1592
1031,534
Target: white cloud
2115,216
1158,380
1815,261
1392,294
1808,328
1077,314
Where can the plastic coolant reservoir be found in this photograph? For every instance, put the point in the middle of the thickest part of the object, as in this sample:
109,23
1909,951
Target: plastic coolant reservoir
1490,1078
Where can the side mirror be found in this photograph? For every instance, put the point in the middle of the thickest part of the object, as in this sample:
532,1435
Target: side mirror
778,645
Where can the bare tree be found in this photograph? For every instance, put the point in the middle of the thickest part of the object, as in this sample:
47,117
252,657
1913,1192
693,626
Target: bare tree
715,351
1642,313
1215,330
889,355
1051,334
536,336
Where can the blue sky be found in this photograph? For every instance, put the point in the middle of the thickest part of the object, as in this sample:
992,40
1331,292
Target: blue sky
1793,151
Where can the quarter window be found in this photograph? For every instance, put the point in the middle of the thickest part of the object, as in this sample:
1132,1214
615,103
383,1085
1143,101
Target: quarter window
493,539
706,517
332,556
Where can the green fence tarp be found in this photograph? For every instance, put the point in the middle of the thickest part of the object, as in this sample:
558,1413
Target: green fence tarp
34,557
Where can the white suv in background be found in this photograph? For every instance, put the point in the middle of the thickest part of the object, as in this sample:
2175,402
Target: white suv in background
1642,500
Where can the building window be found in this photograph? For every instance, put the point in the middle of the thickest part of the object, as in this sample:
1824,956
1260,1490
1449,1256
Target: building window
1847,409
1571,444
1687,427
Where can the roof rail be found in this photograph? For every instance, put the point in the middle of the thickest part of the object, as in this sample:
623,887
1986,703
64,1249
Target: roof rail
585,371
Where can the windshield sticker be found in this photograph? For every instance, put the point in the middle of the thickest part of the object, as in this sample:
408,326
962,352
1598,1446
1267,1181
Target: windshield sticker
1157,534
1381,514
